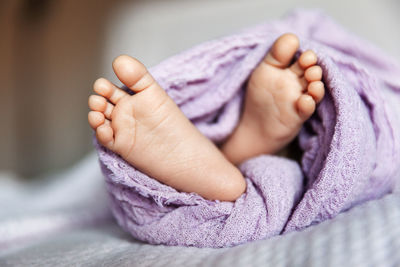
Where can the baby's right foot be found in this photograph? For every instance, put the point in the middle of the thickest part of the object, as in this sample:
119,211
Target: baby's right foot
150,132
280,96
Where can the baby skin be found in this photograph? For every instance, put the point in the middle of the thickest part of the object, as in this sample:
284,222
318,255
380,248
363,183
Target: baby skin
150,132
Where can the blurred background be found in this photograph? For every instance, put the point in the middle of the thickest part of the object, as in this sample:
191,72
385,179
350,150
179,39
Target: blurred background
51,51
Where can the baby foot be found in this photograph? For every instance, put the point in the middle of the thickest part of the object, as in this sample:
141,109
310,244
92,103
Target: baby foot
279,98
150,132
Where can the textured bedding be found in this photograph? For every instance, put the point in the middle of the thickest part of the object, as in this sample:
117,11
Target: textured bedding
65,221
350,145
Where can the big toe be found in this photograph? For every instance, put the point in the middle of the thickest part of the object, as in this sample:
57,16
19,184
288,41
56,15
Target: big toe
132,73
283,50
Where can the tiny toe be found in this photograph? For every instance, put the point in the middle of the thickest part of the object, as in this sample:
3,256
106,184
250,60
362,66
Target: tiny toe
306,60
283,50
133,73
99,103
313,73
95,119
107,89
305,106
316,90
105,135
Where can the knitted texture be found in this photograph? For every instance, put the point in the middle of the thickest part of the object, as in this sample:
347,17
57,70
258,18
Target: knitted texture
351,149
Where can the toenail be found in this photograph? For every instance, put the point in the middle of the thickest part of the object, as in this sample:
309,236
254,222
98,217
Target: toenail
100,83
121,58
293,37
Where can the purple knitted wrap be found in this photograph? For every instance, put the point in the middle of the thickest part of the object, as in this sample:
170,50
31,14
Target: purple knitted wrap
350,145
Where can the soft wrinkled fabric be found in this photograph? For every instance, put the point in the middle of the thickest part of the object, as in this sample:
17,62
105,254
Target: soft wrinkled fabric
350,145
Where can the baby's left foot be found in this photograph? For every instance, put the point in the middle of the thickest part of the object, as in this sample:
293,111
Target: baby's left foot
279,98
149,131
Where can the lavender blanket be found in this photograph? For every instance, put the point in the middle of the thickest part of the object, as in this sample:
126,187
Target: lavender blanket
351,149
